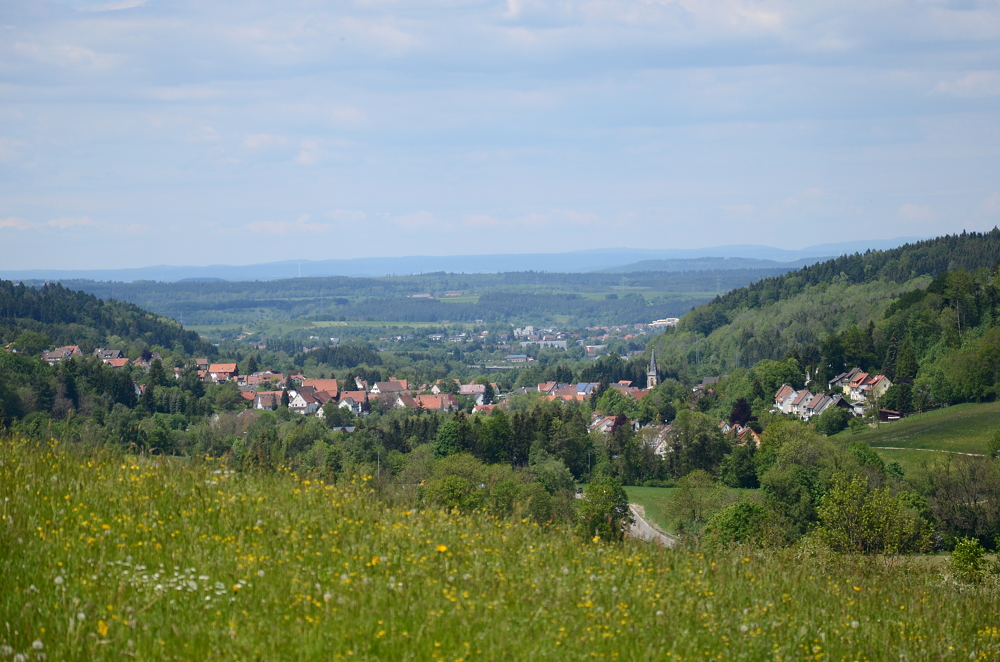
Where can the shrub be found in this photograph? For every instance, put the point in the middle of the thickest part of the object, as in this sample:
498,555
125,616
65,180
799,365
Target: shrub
968,560
603,512
737,523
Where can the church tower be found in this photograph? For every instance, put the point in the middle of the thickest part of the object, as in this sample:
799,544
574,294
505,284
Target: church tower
652,376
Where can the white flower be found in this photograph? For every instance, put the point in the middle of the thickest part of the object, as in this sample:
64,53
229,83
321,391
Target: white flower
260,573
37,644
58,580
744,628
327,597
81,616
565,571
20,658
6,650
854,624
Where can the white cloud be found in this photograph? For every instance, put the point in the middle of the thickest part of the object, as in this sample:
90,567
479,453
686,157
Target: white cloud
991,205
308,152
911,212
347,215
301,226
61,223
973,84
263,140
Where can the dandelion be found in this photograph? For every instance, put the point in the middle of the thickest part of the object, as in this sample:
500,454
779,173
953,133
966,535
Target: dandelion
260,573
102,628
855,624
37,645
442,548
59,580
80,616
6,650
20,658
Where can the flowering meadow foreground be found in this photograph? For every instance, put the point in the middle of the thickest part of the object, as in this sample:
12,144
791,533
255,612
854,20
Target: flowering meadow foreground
108,556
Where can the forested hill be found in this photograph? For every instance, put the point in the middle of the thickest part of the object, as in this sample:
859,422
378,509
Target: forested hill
838,312
53,315
969,251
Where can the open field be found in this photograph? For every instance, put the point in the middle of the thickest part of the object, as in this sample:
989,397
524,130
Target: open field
112,556
960,429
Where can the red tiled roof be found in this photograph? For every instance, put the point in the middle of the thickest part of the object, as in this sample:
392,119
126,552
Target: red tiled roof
223,367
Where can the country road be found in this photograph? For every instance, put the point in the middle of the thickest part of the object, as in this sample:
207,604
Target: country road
643,530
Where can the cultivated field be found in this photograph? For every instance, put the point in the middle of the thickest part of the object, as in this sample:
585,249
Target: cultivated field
108,556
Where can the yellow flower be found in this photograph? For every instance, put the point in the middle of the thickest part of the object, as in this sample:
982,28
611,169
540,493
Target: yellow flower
442,548
102,628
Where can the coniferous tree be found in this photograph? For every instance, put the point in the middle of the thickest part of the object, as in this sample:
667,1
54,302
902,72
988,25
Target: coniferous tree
906,363
891,357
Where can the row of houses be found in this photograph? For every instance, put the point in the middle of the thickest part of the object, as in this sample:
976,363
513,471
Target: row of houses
851,390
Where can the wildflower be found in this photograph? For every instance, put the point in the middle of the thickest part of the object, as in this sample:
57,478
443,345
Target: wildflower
6,650
260,573
855,624
236,588
58,580
20,658
37,644
442,548
102,628
80,616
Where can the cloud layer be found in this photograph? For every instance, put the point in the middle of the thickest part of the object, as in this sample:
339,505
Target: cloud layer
136,133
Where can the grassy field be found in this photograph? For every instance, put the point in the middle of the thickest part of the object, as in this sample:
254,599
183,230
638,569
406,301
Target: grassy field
653,499
926,437
113,556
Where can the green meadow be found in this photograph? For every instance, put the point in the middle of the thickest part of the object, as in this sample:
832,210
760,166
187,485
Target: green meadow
108,556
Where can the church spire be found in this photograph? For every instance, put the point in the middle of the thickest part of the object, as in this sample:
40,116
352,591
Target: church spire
652,376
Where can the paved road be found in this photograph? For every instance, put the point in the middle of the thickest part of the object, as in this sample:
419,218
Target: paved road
643,530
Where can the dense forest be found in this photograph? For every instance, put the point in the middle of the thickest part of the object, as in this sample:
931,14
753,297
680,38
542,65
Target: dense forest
55,315
853,301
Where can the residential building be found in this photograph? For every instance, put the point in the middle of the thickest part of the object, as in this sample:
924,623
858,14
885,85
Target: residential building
222,372
60,353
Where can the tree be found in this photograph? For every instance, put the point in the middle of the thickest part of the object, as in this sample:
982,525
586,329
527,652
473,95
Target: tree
737,523
891,354
603,513
697,443
157,375
737,469
855,518
906,364
697,496
741,413
251,365
832,421
31,343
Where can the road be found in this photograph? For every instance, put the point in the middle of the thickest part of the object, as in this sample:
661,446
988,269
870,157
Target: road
643,530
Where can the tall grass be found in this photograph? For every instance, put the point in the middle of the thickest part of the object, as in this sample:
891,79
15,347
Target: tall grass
108,557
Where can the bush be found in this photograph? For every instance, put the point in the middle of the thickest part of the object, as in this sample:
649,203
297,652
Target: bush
832,421
737,523
968,561
603,512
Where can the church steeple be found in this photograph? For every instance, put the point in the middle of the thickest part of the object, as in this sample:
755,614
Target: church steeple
652,376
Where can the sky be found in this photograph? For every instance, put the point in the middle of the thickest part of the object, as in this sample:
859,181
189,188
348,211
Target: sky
137,133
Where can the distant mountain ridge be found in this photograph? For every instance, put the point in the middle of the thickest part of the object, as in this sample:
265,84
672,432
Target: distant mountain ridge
614,259
713,264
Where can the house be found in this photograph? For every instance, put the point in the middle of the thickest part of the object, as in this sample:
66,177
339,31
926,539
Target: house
842,382
864,384
201,364
657,438
267,400
444,402
405,402
783,399
391,388
60,353
602,424
798,406
116,363
105,354
302,401
518,358
222,372
356,401
548,387
707,383
328,385
477,391
484,409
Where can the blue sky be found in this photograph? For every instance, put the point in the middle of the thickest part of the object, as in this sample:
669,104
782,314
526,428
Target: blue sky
135,133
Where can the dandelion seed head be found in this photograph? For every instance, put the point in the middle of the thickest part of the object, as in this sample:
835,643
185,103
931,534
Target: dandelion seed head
20,658
260,573
855,624
80,616
37,645
58,580
6,650
744,628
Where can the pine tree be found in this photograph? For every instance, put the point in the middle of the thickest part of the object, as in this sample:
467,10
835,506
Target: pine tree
251,366
906,363
891,354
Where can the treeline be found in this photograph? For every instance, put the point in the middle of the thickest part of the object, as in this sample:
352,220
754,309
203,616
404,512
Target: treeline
66,317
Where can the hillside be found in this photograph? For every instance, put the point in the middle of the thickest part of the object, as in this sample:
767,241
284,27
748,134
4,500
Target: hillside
796,313
61,316
112,556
